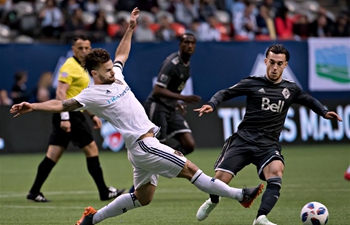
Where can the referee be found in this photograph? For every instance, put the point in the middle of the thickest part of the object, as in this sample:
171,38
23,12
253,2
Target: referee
72,127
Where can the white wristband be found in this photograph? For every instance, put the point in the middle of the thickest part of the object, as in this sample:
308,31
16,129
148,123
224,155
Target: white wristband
64,115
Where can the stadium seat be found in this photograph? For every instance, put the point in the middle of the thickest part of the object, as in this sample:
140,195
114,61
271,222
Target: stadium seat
122,15
154,27
178,28
165,13
223,16
150,16
224,31
112,29
88,18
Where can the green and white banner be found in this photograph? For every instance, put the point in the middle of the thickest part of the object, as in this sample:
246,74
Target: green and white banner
329,64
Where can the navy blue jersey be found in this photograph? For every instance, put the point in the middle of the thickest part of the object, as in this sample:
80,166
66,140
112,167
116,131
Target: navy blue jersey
172,75
267,105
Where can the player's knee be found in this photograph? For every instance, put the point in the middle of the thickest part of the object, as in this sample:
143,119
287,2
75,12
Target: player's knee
274,183
145,200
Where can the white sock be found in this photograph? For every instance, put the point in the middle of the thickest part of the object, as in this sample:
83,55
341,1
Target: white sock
348,169
215,186
118,206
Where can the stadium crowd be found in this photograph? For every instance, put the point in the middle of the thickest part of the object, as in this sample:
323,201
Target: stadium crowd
164,20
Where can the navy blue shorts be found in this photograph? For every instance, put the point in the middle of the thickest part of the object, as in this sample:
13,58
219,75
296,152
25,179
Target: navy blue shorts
237,153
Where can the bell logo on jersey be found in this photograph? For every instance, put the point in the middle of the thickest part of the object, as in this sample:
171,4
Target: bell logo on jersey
273,106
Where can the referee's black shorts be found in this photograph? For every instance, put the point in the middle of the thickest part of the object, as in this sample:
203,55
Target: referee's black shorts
80,134
237,153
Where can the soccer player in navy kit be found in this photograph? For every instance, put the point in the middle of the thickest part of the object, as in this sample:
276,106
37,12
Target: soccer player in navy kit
256,141
163,105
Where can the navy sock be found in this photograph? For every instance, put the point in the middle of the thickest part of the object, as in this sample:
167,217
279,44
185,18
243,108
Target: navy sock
95,171
270,196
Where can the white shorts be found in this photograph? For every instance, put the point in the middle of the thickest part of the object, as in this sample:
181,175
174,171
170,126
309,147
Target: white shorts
151,158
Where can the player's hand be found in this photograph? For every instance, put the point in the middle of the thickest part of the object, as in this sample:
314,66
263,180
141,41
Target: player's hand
204,109
332,115
134,15
181,107
65,125
191,99
97,122
22,108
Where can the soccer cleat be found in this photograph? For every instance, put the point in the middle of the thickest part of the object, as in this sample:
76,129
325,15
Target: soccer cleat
86,218
37,197
347,176
112,193
205,209
250,194
262,220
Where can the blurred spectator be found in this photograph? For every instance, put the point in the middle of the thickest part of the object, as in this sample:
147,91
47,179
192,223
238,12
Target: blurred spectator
206,9
194,28
52,20
319,27
44,90
19,89
126,5
75,22
301,27
68,7
165,31
99,27
342,26
185,12
220,4
4,98
207,30
265,24
149,6
245,23
284,25
92,6
123,26
143,33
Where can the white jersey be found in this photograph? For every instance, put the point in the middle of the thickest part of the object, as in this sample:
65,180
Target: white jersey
117,104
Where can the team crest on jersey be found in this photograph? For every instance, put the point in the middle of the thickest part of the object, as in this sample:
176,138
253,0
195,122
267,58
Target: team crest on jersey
64,74
178,153
163,77
118,82
286,93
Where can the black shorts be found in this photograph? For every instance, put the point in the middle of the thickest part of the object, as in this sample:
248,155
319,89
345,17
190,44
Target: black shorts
237,153
80,134
170,121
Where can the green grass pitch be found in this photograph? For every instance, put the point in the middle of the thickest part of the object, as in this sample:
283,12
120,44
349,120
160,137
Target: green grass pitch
312,173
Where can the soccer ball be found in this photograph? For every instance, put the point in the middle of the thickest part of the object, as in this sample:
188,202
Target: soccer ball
314,213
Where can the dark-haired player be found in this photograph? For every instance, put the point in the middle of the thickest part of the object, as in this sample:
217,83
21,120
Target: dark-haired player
268,99
165,100
112,99
72,127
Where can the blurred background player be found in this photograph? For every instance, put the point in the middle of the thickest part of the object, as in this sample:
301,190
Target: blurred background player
165,101
72,127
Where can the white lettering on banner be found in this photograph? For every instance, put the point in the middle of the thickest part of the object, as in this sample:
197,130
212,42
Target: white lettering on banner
311,125
346,121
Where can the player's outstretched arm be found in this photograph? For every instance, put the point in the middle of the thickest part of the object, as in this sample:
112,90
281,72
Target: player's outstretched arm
204,109
48,106
123,50
332,115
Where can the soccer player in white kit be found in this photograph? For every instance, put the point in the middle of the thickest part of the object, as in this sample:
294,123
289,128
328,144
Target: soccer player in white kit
112,99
